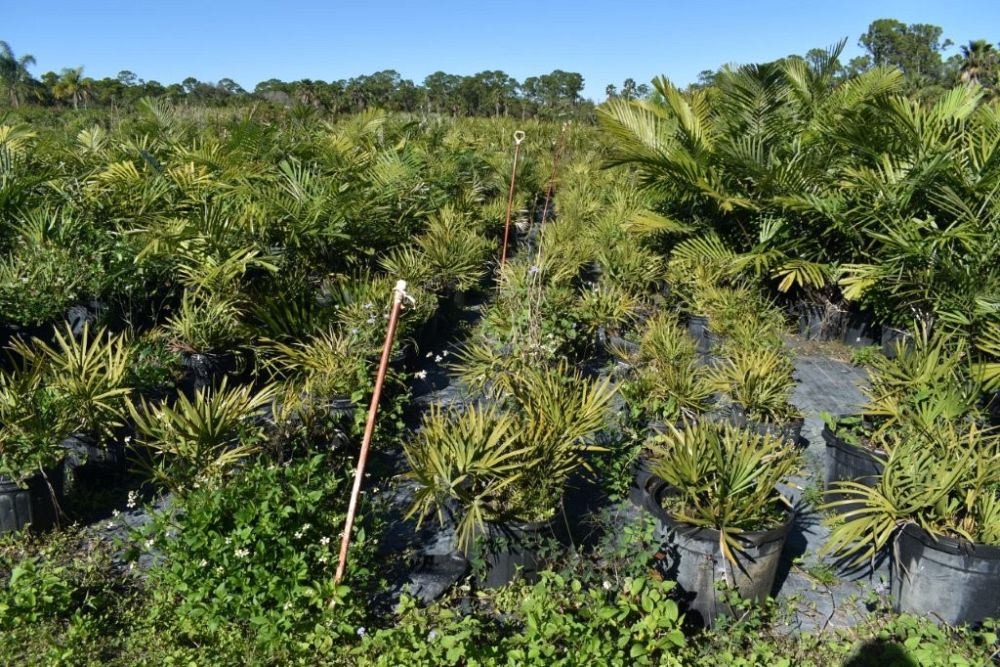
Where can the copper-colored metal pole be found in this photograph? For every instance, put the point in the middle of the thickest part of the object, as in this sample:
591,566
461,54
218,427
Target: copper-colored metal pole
345,540
555,167
518,138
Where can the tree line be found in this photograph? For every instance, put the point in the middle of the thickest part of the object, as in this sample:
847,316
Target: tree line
916,49
488,93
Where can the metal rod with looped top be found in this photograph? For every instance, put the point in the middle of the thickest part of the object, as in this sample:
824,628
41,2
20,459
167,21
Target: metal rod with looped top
399,294
518,138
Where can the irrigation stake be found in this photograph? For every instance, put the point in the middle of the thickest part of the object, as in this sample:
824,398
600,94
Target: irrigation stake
518,138
397,303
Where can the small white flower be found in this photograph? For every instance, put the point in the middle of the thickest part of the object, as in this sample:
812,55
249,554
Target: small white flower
219,570
322,559
432,635
241,553
429,355
361,631
128,439
606,585
299,534
420,375
287,606
149,544
133,499
438,359
445,353
111,524
229,541
115,513
324,540
203,563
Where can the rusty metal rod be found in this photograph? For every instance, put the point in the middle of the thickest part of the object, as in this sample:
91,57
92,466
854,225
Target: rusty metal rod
555,168
518,138
345,540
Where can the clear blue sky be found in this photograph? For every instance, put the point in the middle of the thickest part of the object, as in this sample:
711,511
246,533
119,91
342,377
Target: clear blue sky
606,40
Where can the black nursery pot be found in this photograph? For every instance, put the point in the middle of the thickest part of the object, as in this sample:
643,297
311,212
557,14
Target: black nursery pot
204,370
952,581
513,550
32,505
697,326
860,329
642,479
790,431
91,463
820,321
849,462
694,559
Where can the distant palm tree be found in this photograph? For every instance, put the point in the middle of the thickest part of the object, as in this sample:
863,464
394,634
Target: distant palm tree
71,85
14,75
979,62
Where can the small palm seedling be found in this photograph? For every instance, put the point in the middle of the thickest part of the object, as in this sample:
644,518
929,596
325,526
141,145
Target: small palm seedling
456,253
91,372
724,478
327,364
608,308
759,381
670,393
205,323
469,459
933,381
201,438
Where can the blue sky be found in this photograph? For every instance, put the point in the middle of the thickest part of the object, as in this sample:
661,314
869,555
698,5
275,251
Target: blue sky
606,41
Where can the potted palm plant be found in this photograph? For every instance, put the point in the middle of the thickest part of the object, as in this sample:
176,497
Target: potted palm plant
937,504
726,521
75,388
196,441
205,330
933,381
668,384
759,384
500,472
34,421
91,373
605,311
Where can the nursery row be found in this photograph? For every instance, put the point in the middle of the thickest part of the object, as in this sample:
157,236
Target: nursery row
226,317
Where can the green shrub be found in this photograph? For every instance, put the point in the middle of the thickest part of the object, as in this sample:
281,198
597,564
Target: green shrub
249,566
558,621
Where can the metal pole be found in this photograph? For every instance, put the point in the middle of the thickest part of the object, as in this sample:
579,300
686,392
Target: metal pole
555,166
345,540
518,138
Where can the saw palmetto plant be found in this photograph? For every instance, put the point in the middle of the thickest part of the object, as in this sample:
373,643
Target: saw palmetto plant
758,380
326,364
91,372
669,393
508,463
934,380
724,478
607,307
206,323
198,440
944,479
